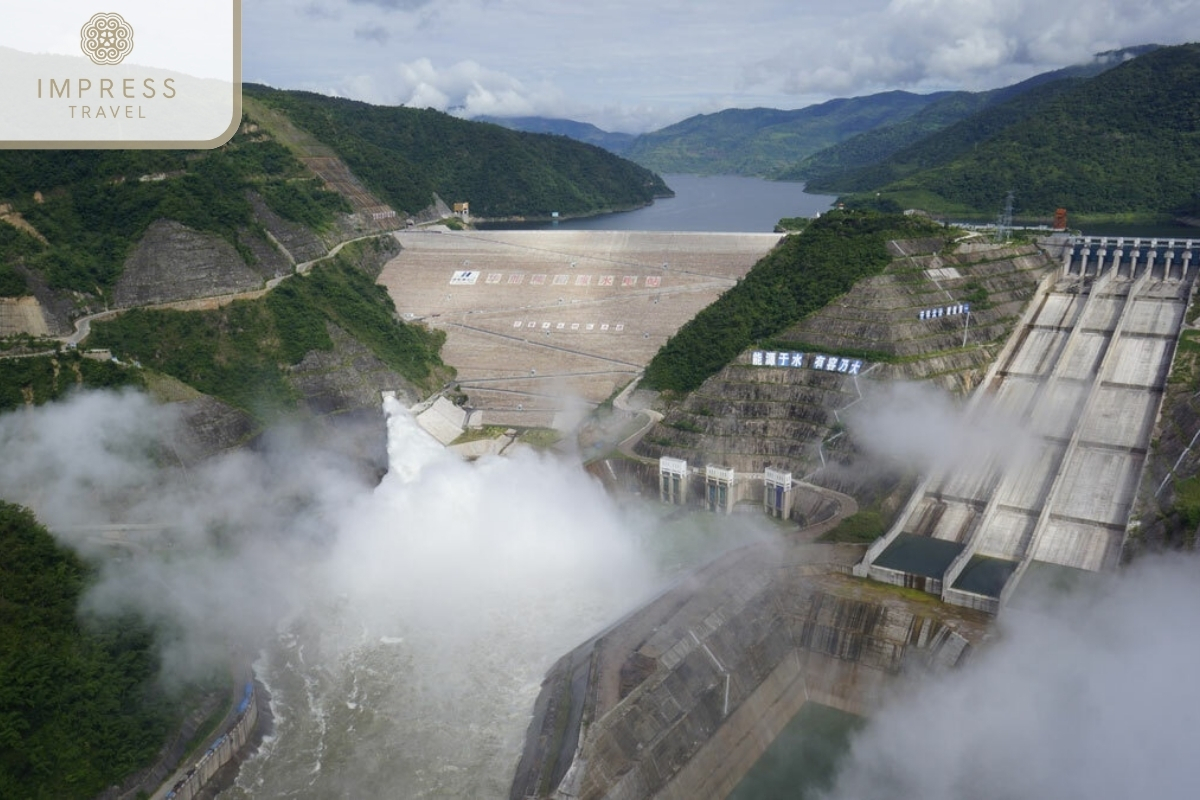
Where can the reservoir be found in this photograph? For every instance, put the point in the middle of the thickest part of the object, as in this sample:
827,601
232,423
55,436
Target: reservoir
708,203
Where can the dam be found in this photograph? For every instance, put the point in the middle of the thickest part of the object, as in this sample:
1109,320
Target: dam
1085,371
532,317
680,698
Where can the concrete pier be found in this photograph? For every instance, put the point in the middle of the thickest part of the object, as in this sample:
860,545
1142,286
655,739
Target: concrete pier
777,493
1169,259
719,489
672,481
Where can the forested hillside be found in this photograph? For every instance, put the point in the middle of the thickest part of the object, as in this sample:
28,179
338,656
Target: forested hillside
78,705
243,353
823,170
1125,144
803,274
90,206
763,141
945,145
613,142
407,154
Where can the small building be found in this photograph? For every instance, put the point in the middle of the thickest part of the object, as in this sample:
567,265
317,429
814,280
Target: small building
777,493
672,480
462,211
718,486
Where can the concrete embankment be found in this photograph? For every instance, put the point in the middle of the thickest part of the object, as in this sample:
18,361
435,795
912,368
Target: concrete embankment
189,783
682,697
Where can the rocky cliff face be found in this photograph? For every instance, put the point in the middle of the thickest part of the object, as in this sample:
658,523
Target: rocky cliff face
348,377
173,262
22,315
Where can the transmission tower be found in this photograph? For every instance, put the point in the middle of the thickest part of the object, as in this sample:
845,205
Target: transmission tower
1004,223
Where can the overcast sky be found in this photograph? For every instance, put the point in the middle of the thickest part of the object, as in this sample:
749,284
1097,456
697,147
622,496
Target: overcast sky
635,65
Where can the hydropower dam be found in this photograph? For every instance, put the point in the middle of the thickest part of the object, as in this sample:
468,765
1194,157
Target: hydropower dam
680,698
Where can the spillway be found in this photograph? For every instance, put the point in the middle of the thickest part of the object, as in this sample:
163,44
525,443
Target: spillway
1085,374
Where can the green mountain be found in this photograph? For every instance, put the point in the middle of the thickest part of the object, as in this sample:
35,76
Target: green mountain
1124,144
618,143
800,276
76,216
84,210
763,141
949,143
406,155
79,706
822,168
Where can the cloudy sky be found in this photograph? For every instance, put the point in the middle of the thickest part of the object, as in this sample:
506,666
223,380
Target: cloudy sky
639,64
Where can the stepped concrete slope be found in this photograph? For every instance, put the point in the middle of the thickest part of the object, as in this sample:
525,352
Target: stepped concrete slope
1085,373
535,317
680,699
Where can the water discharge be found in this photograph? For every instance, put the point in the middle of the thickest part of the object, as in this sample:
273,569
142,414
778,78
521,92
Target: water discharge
412,669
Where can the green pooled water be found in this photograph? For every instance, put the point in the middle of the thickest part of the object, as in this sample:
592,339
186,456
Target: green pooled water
803,759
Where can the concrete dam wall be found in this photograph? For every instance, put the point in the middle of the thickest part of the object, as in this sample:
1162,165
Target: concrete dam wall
680,699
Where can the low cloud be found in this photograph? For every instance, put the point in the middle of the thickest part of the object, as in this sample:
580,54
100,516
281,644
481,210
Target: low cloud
464,88
1091,696
971,44
918,426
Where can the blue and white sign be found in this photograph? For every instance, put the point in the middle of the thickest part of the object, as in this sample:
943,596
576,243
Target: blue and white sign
771,358
954,310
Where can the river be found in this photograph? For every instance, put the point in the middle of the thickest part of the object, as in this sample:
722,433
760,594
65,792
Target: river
704,203
412,667
413,670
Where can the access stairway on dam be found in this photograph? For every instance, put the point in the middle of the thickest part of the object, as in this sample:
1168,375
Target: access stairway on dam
1083,377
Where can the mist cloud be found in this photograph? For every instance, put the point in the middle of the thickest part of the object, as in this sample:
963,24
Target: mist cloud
1093,696
921,427
242,542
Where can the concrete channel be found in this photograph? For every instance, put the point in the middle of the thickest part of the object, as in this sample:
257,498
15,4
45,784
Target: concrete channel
1084,374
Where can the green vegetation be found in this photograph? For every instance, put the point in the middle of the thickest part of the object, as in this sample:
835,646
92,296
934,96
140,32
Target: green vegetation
1185,371
821,169
78,710
39,379
976,294
240,353
305,200
480,434
405,155
93,205
764,141
1187,505
802,762
798,277
1124,144
863,527
12,283
792,224
15,245
618,143
542,438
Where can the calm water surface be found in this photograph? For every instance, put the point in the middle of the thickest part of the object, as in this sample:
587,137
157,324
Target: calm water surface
718,203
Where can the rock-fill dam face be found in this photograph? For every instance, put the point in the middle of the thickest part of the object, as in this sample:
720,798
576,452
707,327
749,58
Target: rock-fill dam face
1085,372
680,699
